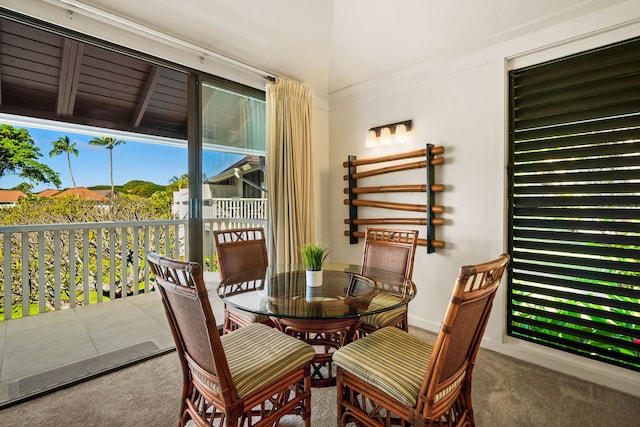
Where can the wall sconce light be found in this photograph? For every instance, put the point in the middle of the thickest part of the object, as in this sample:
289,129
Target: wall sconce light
389,134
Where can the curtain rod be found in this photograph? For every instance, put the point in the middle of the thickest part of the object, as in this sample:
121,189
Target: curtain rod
111,18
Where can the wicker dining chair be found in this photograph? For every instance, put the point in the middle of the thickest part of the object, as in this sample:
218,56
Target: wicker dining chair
253,376
391,250
391,377
238,250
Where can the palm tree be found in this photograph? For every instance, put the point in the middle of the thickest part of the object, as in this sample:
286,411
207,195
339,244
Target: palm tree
181,182
108,143
64,145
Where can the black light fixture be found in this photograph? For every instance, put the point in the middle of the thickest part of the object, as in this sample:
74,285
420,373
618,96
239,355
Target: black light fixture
388,134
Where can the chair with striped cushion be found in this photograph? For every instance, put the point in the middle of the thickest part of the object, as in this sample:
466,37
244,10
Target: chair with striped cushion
240,249
252,376
390,377
391,250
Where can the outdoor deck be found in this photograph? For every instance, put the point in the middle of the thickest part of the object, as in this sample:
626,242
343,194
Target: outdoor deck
62,347
75,341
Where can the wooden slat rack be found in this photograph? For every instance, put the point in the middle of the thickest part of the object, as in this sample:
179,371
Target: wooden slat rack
430,209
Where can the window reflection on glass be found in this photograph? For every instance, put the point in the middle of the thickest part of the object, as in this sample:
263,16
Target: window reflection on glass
233,163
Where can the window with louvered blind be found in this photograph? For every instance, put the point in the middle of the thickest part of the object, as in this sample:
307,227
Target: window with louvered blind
574,231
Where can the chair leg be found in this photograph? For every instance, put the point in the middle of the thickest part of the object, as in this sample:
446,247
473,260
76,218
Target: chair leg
226,328
230,324
339,391
404,323
465,402
306,412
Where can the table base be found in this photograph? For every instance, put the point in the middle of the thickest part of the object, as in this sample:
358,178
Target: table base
326,336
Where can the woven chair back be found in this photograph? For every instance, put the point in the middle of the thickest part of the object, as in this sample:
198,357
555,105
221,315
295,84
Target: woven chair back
390,249
240,249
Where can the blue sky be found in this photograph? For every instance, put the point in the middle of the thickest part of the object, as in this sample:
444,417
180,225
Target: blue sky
131,161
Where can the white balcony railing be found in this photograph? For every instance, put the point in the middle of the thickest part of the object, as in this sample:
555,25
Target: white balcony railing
52,267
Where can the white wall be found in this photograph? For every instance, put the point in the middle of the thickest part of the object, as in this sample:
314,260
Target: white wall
460,101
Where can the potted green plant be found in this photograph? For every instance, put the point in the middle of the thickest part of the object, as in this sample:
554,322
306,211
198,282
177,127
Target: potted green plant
313,256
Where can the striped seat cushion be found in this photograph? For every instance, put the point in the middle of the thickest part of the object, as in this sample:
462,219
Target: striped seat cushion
389,359
258,354
249,317
380,320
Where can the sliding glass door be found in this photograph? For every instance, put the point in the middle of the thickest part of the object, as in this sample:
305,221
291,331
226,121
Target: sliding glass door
231,174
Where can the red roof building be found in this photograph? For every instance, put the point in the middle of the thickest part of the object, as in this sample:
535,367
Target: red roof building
10,197
83,193
48,193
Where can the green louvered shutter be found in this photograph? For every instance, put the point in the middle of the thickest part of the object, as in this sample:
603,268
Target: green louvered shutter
575,204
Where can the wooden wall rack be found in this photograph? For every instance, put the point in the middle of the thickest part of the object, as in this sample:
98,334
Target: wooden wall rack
430,208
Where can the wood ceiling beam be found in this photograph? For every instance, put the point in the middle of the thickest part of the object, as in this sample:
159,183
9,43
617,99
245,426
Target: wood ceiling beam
41,78
70,64
145,96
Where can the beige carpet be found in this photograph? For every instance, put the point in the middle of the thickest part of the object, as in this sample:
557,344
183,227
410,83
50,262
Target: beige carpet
507,392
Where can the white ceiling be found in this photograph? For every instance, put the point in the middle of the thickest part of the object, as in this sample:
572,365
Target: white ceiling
334,44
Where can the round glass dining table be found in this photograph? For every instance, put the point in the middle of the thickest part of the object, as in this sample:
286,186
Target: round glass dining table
325,316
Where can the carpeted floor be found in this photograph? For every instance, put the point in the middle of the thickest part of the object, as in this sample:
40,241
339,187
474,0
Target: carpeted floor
507,392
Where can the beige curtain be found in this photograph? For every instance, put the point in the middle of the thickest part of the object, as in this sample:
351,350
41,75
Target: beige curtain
289,168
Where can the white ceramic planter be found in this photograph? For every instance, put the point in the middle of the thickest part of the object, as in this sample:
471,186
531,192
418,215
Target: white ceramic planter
314,278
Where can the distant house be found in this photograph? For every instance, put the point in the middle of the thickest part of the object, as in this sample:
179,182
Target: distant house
83,193
106,193
48,193
244,179
8,198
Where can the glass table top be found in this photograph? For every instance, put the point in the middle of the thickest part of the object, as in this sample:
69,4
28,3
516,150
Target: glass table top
346,292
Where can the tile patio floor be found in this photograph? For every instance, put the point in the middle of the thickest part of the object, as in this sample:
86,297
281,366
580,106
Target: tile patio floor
53,349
